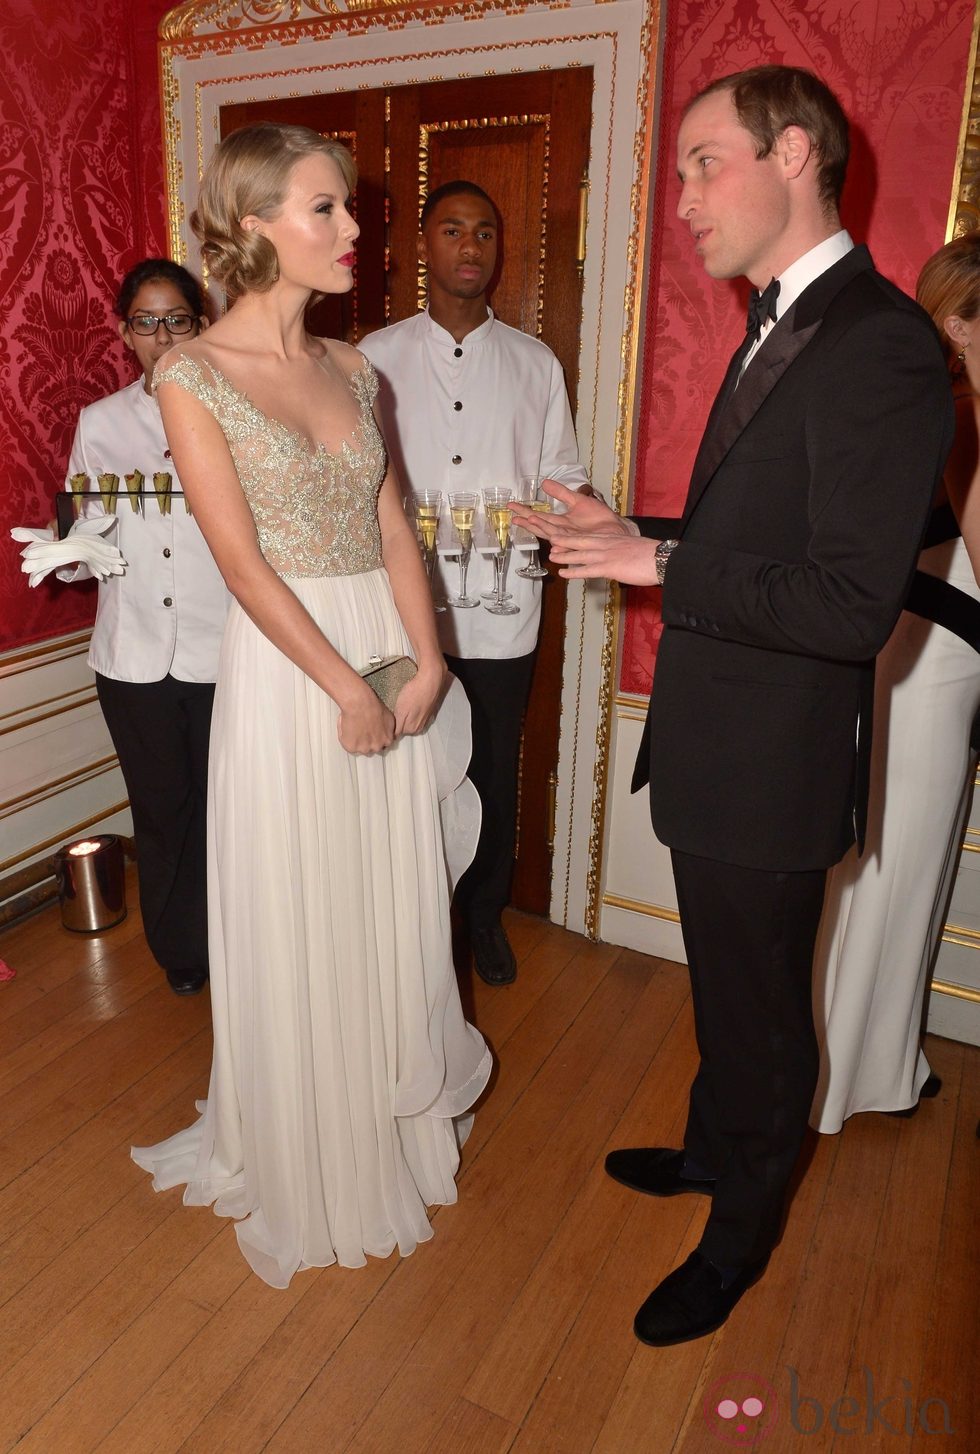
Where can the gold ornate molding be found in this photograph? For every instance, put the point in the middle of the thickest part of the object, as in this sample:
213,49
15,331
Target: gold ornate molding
964,206
233,18
644,161
200,17
192,44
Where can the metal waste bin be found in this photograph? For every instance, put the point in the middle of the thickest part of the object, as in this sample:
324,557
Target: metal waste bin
92,884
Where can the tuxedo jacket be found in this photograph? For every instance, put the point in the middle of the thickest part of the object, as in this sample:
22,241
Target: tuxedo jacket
808,500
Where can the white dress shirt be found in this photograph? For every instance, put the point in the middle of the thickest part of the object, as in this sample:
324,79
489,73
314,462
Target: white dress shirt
800,275
463,416
165,615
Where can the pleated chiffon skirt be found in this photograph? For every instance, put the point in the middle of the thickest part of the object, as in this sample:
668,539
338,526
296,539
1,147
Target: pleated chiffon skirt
884,911
342,1061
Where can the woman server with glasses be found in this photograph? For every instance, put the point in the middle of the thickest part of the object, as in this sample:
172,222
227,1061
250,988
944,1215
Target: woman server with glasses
158,626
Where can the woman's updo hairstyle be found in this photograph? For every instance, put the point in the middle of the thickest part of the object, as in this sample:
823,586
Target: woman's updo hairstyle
248,176
949,286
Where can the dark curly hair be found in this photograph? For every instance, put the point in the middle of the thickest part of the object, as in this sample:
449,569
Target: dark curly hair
452,189
159,270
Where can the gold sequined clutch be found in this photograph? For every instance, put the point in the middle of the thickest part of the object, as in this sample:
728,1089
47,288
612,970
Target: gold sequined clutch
386,675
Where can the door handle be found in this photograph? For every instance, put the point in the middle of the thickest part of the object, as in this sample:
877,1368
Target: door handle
583,222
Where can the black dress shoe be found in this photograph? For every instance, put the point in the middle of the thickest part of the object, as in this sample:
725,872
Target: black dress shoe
931,1087
655,1170
493,958
691,1302
187,981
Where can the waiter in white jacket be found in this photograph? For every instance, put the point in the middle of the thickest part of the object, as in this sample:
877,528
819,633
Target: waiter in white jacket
158,628
468,402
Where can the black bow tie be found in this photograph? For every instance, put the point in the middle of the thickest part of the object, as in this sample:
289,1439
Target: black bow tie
762,308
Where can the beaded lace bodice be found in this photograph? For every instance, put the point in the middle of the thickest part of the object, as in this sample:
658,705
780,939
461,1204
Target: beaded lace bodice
315,512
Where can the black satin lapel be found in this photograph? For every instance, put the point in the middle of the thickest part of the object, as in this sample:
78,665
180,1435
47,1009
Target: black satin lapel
724,394
735,409
761,377
729,382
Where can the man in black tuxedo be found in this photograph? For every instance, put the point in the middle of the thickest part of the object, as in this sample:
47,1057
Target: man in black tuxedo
781,582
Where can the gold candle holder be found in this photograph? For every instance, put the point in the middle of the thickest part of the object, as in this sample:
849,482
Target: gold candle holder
134,483
162,483
109,489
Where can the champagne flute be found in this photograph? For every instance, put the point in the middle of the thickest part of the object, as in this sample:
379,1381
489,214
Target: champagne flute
529,492
427,507
497,501
491,595
462,509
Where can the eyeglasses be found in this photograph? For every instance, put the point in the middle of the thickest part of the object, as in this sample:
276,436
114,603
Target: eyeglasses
146,324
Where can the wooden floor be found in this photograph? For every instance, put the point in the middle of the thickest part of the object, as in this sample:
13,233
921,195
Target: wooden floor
130,1323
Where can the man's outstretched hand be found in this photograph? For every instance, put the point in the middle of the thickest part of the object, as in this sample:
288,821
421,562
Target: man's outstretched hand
589,540
580,512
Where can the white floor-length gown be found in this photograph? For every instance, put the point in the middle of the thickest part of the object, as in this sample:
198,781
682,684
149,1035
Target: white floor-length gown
341,1056
883,912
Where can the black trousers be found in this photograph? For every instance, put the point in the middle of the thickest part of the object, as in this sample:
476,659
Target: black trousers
160,731
498,693
749,936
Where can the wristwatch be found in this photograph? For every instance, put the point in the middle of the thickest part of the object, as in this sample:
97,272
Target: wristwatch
662,556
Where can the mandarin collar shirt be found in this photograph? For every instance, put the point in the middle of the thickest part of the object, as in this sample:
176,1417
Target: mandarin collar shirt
464,416
165,615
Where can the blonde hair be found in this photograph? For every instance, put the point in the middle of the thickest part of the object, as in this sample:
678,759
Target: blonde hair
949,284
248,175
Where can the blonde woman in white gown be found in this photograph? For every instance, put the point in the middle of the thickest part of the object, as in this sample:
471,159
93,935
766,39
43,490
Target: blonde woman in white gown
342,1061
884,912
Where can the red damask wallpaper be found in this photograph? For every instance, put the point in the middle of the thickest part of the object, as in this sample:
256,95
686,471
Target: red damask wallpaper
899,68
80,201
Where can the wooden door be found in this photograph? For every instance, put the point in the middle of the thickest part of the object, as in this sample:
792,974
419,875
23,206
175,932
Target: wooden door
525,140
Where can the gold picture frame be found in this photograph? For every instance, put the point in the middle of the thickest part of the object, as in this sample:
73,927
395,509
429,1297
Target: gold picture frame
964,205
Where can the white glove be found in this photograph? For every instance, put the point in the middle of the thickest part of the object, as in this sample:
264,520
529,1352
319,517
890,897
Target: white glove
28,532
82,545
